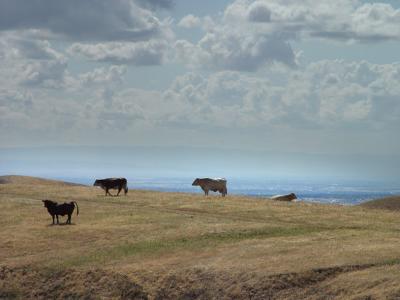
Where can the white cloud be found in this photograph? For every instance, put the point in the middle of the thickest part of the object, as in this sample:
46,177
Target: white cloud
322,95
253,34
48,73
124,31
225,49
156,3
102,76
190,21
90,20
151,52
326,95
31,63
336,20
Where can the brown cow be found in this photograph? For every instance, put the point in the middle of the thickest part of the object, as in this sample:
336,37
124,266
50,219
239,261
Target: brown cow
215,185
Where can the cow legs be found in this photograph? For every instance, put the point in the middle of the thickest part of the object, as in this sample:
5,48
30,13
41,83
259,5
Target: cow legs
69,219
108,192
224,192
206,191
57,219
53,218
119,191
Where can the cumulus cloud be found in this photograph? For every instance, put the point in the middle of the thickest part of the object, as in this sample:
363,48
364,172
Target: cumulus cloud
337,20
190,21
119,32
322,95
151,52
34,49
231,50
92,20
102,76
257,12
31,63
38,92
49,73
251,34
156,3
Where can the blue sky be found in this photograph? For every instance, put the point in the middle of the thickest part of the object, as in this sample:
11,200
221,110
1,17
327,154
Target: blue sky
306,77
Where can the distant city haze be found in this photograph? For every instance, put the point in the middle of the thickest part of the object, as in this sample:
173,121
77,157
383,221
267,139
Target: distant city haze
170,162
320,178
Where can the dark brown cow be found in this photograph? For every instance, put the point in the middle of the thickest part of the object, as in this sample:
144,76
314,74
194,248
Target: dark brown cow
215,185
112,183
56,209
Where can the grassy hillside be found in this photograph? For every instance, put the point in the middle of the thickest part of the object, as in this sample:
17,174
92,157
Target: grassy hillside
389,203
186,246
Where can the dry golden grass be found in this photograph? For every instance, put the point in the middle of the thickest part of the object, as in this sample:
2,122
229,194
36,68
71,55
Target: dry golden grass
389,203
175,245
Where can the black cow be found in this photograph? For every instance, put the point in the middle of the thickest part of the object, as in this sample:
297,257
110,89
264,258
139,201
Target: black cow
112,183
56,209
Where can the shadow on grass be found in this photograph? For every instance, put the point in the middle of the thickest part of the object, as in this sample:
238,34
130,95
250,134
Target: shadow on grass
61,224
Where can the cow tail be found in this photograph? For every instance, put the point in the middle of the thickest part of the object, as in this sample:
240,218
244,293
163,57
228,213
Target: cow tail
77,208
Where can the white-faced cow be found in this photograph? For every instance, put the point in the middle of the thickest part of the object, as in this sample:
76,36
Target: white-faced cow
209,184
112,183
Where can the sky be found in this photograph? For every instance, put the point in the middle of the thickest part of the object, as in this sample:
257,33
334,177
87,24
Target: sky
299,81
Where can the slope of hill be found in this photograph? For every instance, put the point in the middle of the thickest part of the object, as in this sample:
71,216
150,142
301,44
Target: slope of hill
186,246
29,180
389,203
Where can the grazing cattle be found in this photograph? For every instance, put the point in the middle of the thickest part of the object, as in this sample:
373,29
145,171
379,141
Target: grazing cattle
112,183
215,185
56,209
289,197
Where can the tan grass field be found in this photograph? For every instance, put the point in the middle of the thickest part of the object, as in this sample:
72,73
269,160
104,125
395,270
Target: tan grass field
185,246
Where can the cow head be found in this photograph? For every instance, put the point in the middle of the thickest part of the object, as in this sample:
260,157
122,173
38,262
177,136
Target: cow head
196,181
48,203
96,183
292,196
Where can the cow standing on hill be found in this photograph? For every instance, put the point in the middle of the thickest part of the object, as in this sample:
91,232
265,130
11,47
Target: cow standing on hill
112,183
215,185
56,209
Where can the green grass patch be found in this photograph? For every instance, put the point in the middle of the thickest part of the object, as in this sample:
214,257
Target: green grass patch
390,262
154,247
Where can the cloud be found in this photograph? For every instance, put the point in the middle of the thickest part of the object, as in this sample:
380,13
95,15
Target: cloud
102,76
257,12
325,94
190,21
34,49
91,20
223,49
333,20
151,52
251,35
31,63
50,73
156,3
